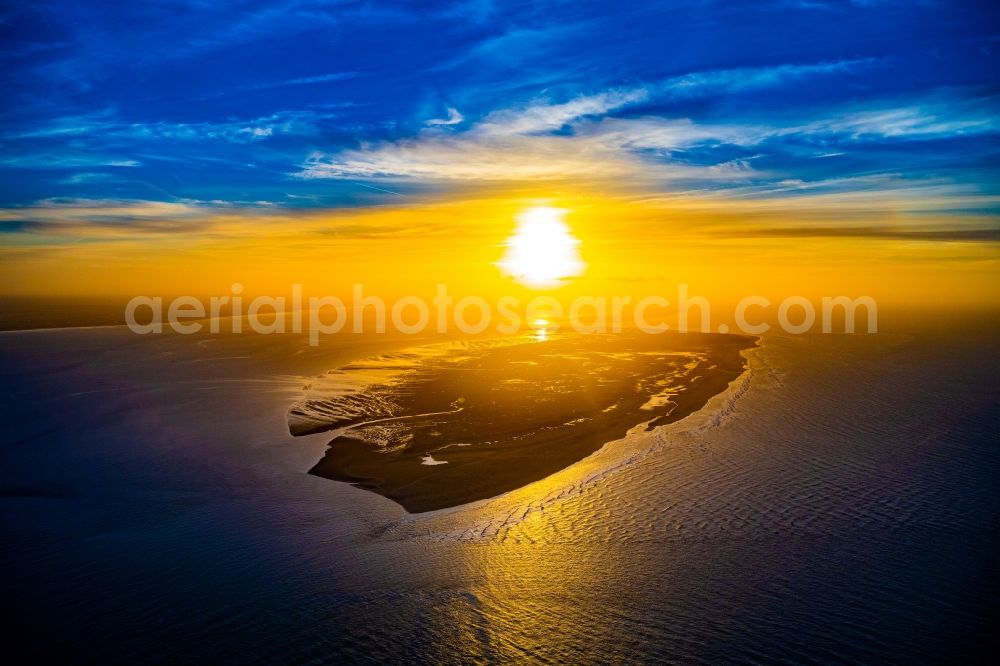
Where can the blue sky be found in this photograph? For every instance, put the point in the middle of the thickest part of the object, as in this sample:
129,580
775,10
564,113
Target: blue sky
181,106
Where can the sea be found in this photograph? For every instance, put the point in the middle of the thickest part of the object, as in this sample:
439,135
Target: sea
838,503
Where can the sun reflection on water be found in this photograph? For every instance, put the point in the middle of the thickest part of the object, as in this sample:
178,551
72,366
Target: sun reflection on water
541,329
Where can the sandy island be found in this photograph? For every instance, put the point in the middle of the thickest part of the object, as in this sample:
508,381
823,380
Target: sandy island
444,425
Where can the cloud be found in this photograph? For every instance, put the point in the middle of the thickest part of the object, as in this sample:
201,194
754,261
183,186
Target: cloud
467,158
517,46
839,198
106,124
66,216
47,160
307,80
663,136
906,122
514,146
737,80
962,234
270,85
575,138
454,118
588,137
257,132
61,220
545,117
237,131
116,219
89,177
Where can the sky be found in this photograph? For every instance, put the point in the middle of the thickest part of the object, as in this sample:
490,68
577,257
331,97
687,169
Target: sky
170,141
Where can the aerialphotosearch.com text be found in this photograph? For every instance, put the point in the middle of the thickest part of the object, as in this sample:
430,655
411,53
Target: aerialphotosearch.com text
319,316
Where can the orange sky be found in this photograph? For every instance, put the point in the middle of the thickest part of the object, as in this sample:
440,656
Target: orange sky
725,250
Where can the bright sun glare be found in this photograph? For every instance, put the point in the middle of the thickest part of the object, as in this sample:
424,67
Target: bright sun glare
542,252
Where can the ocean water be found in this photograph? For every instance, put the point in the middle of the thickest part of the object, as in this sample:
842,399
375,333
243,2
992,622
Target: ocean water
837,504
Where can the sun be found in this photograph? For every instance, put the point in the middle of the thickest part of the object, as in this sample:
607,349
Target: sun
542,252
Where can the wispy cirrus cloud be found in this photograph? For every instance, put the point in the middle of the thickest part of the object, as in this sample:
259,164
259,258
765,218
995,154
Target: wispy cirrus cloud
742,79
118,219
545,117
304,80
920,120
68,220
960,234
589,137
525,144
52,160
271,85
106,124
102,217
90,177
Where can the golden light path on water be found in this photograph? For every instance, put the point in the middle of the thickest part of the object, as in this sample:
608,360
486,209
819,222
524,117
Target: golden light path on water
541,329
